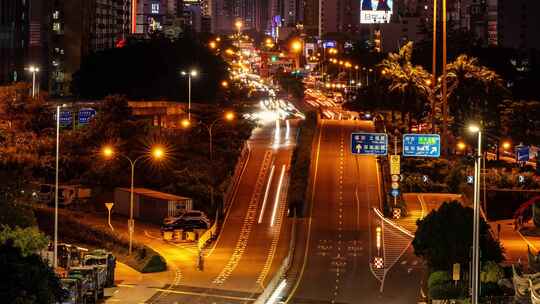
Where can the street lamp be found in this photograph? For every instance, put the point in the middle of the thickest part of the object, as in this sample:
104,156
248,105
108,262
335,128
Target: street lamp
476,217
55,249
156,152
33,69
192,73
228,116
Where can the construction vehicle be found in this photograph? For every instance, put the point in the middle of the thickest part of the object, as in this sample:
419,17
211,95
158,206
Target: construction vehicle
73,287
104,259
94,279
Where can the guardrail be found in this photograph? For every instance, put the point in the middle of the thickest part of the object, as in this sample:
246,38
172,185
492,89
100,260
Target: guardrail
208,235
281,272
242,158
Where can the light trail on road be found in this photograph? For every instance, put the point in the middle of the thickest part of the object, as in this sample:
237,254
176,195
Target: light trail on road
265,198
278,192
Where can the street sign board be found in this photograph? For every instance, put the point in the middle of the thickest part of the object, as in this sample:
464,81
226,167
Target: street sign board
369,143
85,115
421,145
456,269
522,153
65,118
394,192
395,164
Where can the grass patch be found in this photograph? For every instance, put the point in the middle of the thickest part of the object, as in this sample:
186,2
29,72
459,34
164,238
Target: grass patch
143,258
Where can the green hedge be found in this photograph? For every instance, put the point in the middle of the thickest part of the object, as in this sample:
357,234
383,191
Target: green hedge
300,165
144,259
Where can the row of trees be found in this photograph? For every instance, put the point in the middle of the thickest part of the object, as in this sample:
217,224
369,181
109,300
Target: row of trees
475,93
27,149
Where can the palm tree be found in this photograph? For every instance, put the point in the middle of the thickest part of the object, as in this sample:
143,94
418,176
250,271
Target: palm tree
474,92
409,82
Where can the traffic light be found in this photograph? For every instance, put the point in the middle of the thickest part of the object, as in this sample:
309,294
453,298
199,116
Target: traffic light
273,58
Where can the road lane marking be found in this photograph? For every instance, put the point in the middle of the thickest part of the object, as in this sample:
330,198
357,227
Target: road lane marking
247,225
209,253
266,193
315,175
276,233
203,294
278,195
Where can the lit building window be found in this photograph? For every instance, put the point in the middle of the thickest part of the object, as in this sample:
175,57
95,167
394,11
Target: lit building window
56,15
155,8
56,27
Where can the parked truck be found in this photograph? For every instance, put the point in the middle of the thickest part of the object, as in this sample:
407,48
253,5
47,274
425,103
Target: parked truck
73,287
95,278
67,194
105,259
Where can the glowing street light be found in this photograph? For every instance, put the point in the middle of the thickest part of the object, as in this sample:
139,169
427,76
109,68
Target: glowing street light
185,123
476,215
212,44
461,145
157,153
224,84
190,74
506,145
33,69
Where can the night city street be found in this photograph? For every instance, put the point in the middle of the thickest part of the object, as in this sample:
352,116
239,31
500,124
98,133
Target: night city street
269,151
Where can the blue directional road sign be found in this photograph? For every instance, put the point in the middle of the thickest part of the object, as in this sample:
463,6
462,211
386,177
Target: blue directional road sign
394,192
65,118
369,143
421,145
85,115
522,153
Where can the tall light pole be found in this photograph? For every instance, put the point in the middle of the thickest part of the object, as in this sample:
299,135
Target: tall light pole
55,252
476,217
434,64
33,69
444,83
229,116
157,153
192,73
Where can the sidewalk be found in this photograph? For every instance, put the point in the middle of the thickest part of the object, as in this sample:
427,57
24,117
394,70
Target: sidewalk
513,242
420,204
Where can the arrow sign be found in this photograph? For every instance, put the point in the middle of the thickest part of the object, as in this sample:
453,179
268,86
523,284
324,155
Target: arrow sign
369,144
421,145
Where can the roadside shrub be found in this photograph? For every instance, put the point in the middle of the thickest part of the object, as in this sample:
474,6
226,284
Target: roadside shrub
441,286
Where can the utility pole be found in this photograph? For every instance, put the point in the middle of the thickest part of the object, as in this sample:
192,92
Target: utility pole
444,84
434,65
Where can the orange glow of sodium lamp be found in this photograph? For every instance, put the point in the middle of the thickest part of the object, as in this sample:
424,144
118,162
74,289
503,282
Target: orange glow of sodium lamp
229,116
158,153
185,123
461,145
224,84
296,46
506,145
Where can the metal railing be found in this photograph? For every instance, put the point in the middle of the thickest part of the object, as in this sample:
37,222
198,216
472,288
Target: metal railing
235,179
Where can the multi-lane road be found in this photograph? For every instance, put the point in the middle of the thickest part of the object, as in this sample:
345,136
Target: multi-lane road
336,264
255,232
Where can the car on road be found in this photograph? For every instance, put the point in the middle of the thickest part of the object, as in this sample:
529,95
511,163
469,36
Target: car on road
184,224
